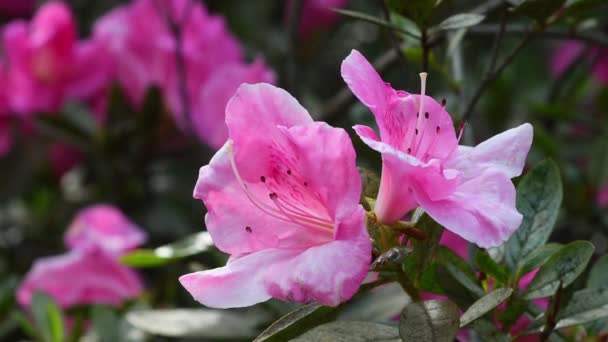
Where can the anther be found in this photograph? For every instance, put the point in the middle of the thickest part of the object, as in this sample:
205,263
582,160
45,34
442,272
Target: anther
248,229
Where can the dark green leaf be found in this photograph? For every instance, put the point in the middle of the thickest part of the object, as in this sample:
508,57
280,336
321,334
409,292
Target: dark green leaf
432,320
488,331
48,317
585,306
80,118
378,305
537,258
562,268
417,10
200,323
484,305
539,197
343,331
424,250
461,20
297,322
490,267
192,245
578,7
374,20
105,324
598,276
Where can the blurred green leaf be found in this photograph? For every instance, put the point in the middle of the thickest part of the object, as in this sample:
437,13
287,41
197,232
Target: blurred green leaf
539,197
598,276
200,323
585,306
419,11
106,324
48,317
432,320
297,322
376,21
461,20
538,10
484,305
579,7
536,259
561,268
343,331
81,118
488,266
192,245
380,304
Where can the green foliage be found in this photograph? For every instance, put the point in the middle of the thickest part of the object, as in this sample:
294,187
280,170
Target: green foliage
48,318
350,332
431,320
484,305
297,322
189,246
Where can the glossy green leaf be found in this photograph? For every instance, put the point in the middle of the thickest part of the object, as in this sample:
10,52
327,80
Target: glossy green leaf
432,320
461,20
48,318
539,197
537,258
380,304
374,20
488,331
598,276
484,305
343,331
192,245
297,322
562,268
488,266
200,323
585,306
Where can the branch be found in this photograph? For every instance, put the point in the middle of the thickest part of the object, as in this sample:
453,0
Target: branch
596,38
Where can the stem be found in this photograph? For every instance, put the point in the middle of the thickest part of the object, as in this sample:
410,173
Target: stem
292,29
552,314
595,38
407,286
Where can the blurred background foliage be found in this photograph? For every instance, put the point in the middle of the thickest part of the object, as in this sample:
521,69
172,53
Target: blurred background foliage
140,162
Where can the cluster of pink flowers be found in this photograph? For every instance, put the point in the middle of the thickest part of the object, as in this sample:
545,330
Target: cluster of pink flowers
89,273
283,193
567,54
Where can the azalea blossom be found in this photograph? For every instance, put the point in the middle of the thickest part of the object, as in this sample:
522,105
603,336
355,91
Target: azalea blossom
467,190
601,198
317,14
106,227
47,65
283,199
144,50
568,52
90,272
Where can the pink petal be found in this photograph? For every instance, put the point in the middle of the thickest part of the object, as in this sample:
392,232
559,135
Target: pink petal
106,227
80,278
505,152
481,210
564,56
329,274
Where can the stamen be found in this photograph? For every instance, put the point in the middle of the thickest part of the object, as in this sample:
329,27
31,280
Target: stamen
462,125
299,220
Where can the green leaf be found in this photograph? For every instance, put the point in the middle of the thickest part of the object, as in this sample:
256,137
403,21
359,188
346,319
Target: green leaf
461,20
48,317
424,250
432,320
343,331
484,305
488,266
191,245
585,306
419,11
598,276
579,7
378,305
539,197
562,268
539,10
200,323
375,21
488,331
297,322
105,324
536,259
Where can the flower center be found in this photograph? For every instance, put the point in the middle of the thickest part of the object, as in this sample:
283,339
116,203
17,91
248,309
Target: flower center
282,208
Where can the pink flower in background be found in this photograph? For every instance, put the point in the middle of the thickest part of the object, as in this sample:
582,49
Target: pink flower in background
6,139
106,227
467,190
317,14
144,52
16,8
79,278
47,64
454,242
601,198
568,52
283,199
90,272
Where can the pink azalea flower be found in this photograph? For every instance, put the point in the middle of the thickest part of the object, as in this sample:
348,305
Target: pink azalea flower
6,139
80,278
568,52
47,65
282,198
317,14
144,54
106,227
601,198
16,8
467,190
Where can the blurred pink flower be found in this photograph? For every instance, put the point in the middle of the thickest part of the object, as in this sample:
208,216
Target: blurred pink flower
601,198
283,199
568,52
6,139
90,272
144,54
106,227
47,64
467,190
79,278
317,14
16,8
